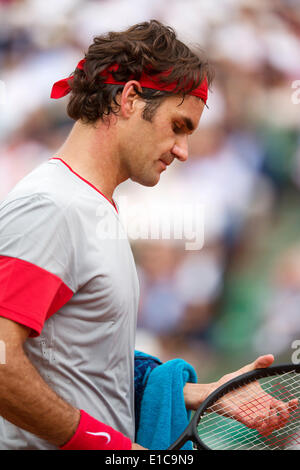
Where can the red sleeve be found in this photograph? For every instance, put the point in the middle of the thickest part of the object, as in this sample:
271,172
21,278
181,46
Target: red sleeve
29,294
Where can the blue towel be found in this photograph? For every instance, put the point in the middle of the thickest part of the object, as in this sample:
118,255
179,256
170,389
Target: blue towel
163,415
143,365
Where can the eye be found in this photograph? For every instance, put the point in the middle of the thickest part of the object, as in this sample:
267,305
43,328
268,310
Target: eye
176,128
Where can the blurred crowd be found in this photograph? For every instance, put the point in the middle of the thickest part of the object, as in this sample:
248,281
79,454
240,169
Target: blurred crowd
240,293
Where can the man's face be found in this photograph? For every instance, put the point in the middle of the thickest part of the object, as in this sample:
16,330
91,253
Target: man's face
147,148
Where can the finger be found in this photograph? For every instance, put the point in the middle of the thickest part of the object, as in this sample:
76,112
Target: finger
261,425
268,420
280,414
293,405
266,428
273,418
259,363
263,361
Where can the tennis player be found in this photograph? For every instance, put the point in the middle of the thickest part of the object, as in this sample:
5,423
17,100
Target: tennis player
69,293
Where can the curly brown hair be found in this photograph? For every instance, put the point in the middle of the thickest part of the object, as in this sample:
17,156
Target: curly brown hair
148,45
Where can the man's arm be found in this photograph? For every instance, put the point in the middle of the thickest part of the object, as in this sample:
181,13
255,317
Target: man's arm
25,398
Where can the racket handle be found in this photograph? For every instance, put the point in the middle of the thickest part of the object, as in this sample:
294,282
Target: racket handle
179,442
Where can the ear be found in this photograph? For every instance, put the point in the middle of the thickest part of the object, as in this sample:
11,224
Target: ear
129,98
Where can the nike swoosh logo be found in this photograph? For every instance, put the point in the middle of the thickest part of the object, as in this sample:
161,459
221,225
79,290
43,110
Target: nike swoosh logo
104,434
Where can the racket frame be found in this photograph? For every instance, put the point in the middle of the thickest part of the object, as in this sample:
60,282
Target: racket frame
191,434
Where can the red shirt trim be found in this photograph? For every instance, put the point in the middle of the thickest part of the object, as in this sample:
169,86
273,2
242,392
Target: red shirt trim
86,181
29,294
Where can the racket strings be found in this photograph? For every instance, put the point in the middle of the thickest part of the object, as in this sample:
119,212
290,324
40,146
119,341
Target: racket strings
251,439
225,437
219,427
245,398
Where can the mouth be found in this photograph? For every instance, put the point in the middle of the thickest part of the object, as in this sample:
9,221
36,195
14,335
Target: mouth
165,162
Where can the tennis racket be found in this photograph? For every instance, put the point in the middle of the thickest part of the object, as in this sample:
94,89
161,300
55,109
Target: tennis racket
258,410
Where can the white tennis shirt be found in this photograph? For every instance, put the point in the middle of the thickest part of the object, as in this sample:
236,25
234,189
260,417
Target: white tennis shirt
67,272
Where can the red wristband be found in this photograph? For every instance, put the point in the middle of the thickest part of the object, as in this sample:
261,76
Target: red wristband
94,435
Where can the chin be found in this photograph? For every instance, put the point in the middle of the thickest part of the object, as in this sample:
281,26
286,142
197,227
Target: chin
146,181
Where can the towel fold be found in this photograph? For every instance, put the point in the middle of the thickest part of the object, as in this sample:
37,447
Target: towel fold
143,366
162,414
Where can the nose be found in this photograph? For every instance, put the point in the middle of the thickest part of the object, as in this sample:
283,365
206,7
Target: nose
180,150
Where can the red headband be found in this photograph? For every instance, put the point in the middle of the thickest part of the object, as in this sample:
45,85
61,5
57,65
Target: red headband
62,88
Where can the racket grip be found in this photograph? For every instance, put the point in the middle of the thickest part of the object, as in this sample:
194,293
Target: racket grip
179,442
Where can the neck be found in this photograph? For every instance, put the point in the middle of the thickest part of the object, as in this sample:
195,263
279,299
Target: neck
92,152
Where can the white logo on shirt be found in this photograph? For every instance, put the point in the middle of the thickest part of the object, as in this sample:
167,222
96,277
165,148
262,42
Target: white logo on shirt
105,434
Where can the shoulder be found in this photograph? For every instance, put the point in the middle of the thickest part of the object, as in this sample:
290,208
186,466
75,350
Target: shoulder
48,188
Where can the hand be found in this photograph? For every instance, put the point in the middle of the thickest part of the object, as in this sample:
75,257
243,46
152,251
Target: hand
137,447
262,412
195,394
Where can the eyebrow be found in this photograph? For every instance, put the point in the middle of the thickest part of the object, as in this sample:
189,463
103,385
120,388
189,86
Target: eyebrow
188,123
